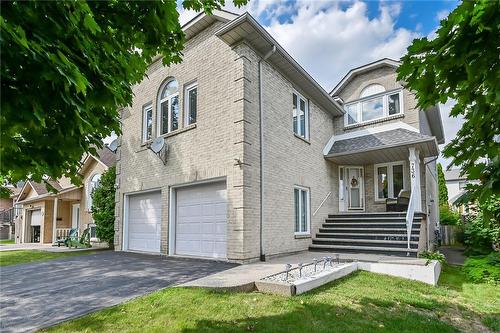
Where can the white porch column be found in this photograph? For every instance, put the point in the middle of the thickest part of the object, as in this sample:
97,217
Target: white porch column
415,177
54,221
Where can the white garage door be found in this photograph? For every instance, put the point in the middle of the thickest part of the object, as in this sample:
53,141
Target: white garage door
36,217
144,221
201,221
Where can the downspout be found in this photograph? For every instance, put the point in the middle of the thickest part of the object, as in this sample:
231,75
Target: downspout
261,146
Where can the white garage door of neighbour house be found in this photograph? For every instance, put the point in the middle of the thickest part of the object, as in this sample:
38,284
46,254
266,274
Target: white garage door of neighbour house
201,221
36,217
144,222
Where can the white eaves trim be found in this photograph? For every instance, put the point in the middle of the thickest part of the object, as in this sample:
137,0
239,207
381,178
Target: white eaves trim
217,14
367,131
364,68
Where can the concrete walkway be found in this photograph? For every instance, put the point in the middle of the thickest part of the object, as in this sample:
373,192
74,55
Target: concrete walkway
454,254
37,295
243,277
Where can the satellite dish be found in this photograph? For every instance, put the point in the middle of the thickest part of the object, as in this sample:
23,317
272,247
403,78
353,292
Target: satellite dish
157,145
113,146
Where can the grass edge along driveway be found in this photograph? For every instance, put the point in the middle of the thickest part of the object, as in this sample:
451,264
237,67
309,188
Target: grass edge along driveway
362,302
16,257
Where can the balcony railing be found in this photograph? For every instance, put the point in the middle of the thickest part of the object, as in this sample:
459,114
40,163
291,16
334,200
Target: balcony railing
410,213
62,233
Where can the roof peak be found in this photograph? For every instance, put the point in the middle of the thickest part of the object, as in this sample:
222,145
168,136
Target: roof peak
360,69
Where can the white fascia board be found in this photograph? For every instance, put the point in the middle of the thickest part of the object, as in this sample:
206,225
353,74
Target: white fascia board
366,67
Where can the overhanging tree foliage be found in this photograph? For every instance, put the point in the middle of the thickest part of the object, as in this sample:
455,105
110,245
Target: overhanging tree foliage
462,63
103,206
67,66
443,191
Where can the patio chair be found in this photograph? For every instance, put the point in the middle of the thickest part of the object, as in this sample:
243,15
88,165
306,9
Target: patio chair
82,242
399,204
73,234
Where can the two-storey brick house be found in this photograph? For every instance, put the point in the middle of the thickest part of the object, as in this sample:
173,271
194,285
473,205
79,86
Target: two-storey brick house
254,149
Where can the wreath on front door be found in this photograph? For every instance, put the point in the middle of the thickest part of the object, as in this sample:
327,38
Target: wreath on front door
354,182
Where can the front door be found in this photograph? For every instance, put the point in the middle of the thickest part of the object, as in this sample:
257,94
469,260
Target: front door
75,216
355,188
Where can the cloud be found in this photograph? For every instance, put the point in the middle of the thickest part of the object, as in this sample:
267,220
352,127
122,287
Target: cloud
442,14
328,38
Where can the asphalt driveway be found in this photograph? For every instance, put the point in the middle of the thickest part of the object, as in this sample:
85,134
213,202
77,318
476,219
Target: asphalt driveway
38,295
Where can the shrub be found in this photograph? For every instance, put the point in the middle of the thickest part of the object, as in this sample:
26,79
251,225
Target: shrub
433,255
483,268
482,232
448,216
103,207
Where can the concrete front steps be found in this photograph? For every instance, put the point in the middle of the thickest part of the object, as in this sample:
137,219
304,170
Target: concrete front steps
377,233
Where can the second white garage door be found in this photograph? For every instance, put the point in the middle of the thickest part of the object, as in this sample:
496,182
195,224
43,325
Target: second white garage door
144,222
201,221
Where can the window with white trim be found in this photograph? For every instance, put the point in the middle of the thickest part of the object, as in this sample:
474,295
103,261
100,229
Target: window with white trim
94,182
390,179
300,115
374,107
191,103
302,208
147,122
462,185
168,107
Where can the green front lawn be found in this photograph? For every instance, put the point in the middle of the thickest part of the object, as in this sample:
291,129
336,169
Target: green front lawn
362,302
7,241
8,258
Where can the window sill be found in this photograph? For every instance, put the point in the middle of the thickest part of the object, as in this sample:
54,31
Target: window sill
179,131
374,121
173,133
301,138
302,236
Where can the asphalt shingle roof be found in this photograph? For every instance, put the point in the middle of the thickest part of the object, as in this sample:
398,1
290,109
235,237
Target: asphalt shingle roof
106,156
380,140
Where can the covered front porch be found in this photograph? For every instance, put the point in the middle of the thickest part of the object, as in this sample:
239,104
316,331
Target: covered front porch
378,168
48,217
385,192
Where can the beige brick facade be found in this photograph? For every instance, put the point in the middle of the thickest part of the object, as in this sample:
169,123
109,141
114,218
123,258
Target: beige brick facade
225,145
412,115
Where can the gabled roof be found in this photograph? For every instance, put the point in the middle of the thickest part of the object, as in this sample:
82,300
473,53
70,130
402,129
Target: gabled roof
381,140
379,144
104,156
246,28
362,69
453,174
39,188
202,20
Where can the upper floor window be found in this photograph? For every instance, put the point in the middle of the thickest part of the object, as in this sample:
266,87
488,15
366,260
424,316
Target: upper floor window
300,116
168,107
462,185
373,107
147,123
191,103
94,182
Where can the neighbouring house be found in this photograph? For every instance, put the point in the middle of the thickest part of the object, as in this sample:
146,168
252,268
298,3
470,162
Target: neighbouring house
7,213
237,153
46,216
456,185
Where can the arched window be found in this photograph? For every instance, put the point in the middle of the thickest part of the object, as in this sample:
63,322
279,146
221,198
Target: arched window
374,103
94,182
372,89
168,107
